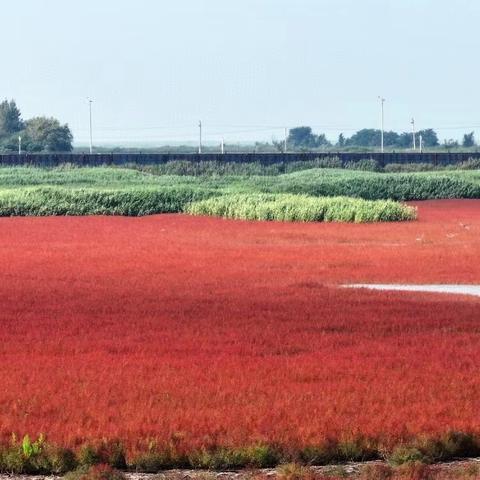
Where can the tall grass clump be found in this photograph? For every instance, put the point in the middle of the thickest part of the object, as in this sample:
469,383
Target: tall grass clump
301,208
375,186
39,201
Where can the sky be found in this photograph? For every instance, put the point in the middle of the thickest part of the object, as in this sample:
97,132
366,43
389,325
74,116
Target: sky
245,68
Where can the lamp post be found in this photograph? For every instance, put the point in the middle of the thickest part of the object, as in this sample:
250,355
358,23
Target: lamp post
413,134
382,101
90,101
200,136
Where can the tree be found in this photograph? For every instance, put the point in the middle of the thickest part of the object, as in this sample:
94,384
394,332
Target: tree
367,137
303,137
469,140
341,140
321,140
405,140
429,137
10,118
47,134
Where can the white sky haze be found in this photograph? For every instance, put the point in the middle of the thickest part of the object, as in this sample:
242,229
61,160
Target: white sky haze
245,67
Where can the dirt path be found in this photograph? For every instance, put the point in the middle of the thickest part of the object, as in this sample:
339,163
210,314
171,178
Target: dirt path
348,470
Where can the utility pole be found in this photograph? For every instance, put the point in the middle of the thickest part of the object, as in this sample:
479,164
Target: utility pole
223,146
285,141
200,136
91,136
19,145
421,143
382,101
413,134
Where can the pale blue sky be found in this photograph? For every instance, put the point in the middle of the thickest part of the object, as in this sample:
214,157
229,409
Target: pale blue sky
245,67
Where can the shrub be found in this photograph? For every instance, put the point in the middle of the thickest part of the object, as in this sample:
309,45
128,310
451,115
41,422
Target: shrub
320,454
470,164
406,454
260,456
107,452
35,457
364,164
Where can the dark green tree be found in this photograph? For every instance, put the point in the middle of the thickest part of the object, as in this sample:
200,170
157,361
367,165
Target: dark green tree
303,138
429,137
341,140
10,118
405,140
370,137
469,140
47,134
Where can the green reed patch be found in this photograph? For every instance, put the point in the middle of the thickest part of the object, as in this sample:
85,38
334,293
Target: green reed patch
302,208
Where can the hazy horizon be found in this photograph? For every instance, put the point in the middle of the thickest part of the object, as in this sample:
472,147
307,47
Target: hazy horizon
246,69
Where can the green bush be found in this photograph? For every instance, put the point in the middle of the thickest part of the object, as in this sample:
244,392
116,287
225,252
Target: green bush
35,457
301,208
107,452
260,456
364,164
406,454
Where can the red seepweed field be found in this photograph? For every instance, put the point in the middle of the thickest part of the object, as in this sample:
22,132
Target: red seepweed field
206,332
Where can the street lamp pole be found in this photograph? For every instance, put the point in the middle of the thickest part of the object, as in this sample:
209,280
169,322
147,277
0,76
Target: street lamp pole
90,112
413,134
382,101
200,137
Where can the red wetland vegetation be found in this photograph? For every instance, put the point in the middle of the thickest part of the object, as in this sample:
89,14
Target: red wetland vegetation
210,332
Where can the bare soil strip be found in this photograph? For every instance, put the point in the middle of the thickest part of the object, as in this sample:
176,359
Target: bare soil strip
347,470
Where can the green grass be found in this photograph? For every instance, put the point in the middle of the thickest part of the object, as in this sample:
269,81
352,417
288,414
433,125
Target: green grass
123,191
39,201
374,186
301,208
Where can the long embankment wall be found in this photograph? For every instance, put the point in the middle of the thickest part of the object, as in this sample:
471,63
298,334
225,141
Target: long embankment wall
84,159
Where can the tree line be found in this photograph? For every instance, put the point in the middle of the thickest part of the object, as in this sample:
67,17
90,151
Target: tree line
38,134
304,138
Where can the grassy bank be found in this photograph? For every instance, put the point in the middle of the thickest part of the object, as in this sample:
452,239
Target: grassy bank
120,191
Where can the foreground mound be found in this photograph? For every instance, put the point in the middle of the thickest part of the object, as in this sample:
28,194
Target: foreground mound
302,208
